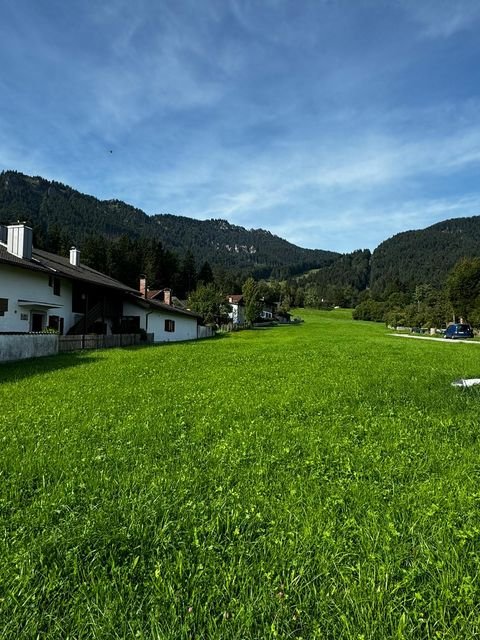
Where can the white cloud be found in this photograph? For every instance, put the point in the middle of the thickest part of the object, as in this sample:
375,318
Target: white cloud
340,230
444,18
311,126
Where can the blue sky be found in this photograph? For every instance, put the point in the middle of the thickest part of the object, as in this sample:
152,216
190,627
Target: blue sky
333,123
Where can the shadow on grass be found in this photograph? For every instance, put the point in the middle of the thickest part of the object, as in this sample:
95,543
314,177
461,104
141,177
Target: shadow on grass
191,343
21,369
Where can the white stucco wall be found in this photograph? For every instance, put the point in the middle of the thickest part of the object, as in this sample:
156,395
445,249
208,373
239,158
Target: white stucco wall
237,314
21,284
185,327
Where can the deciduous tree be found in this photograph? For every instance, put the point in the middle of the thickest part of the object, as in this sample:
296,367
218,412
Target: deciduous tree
463,286
209,302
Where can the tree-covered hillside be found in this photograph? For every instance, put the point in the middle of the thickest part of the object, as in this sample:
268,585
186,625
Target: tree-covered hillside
417,257
59,212
223,243
339,283
114,236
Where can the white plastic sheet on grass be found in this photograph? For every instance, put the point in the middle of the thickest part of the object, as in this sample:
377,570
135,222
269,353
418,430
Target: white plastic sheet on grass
466,382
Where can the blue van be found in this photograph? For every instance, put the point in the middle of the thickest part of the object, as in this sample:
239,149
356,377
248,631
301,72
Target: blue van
457,331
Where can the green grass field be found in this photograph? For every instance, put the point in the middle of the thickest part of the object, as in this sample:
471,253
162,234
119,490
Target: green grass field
312,481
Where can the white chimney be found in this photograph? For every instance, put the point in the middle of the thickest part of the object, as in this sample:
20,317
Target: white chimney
19,240
167,296
143,286
74,257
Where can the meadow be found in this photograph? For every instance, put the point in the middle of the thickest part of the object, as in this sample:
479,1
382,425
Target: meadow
319,481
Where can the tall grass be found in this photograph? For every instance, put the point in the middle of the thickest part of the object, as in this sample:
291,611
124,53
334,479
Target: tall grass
313,481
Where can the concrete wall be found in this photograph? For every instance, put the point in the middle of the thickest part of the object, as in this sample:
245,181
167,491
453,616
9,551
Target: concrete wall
27,346
21,284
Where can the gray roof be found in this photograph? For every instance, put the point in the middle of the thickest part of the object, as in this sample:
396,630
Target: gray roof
161,306
57,265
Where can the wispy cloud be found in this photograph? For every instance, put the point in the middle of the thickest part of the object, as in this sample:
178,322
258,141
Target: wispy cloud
378,222
442,18
334,123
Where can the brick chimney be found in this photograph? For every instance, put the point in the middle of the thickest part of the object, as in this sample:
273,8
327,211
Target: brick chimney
19,240
167,296
74,257
143,286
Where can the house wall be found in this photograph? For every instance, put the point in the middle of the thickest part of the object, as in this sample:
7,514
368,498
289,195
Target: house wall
185,327
21,284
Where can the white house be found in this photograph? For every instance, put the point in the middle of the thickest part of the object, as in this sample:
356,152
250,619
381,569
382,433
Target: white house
40,290
166,322
237,314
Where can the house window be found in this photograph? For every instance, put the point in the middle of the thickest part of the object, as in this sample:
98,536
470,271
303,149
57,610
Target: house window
56,322
170,326
37,321
3,306
130,324
55,283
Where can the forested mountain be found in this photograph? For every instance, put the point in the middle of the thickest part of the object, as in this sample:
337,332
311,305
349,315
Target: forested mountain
225,244
423,257
338,283
123,241
61,216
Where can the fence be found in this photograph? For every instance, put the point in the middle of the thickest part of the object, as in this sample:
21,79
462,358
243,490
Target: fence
205,332
92,341
226,328
27,345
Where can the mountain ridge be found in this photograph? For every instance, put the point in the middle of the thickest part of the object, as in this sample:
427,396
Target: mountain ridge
49,205
414,257
401,262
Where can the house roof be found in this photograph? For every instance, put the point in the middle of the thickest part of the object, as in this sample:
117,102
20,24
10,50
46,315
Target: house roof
235,298
154,294
146,303
57,265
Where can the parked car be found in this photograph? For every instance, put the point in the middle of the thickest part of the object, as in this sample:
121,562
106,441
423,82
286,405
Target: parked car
457,331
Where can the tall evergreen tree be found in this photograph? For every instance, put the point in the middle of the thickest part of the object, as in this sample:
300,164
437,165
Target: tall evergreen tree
188,274
251,297
205,274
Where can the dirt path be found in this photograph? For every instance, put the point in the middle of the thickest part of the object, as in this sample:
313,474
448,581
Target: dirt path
407,335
